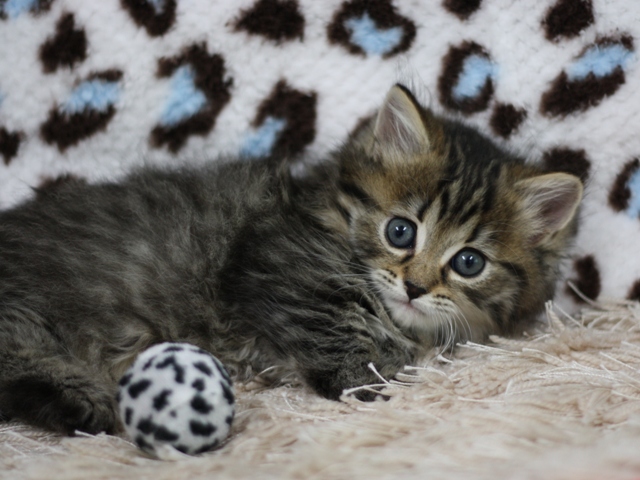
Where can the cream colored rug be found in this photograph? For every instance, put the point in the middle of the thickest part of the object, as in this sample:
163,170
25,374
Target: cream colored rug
561,403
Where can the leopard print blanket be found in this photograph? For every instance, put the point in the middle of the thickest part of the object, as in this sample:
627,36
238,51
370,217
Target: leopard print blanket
90,89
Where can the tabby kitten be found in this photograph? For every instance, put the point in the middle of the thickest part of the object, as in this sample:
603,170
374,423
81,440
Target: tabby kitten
418,231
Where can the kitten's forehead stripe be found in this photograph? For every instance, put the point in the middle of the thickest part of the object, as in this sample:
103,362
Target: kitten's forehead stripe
461,198
475,233
444,204
352,190
423,210
492,185
466,216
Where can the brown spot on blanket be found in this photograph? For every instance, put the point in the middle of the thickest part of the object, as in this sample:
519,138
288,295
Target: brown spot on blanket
209,78
588,281
567,95
620,194
563,159
66,48
65,128
298,109
506,119
156,20
453,65
276,20
9,144
385,17
567,18
462,8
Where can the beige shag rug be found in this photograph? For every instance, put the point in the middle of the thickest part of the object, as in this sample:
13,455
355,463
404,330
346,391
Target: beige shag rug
560,403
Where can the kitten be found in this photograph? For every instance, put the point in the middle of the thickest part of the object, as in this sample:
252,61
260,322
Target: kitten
418,231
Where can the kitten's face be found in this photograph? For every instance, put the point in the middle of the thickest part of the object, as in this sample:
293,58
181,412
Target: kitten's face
440,276
461,239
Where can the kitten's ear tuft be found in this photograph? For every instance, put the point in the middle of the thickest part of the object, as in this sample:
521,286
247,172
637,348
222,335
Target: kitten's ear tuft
550,202
399,126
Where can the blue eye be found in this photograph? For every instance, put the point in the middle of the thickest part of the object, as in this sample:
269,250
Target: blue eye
401,232
468,262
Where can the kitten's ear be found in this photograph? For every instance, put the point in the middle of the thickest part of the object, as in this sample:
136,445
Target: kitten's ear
399,127
549,203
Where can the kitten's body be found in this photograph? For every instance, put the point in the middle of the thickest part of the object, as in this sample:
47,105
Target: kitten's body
265,270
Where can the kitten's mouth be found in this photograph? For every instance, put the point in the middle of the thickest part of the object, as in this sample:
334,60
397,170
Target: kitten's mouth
408,306
405,306
406,313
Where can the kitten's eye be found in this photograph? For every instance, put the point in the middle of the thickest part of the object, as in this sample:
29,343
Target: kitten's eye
468,262
401,232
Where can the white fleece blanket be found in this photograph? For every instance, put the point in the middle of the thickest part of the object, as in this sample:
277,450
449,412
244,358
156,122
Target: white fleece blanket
92,88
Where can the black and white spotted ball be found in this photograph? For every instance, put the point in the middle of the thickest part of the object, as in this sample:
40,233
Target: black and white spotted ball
176,397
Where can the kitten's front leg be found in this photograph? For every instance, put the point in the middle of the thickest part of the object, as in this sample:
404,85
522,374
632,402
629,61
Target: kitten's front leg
343,362
56,393
354,372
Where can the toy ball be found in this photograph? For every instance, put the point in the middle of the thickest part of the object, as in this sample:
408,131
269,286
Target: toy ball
178,397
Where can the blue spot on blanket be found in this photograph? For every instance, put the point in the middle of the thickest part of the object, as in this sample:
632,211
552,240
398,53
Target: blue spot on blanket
158,5
476,70
14,8
634,202
601,60
185,99
374,41
260,142
96,95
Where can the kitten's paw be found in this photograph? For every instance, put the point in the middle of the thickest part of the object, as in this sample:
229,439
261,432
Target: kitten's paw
332,384
85,409
66,406
365,395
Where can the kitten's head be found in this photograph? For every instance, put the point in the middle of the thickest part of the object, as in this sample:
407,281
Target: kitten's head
461,238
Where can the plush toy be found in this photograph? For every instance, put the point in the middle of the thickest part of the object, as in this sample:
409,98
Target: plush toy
176,397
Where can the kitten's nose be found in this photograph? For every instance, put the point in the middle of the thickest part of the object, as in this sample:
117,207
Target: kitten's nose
413,291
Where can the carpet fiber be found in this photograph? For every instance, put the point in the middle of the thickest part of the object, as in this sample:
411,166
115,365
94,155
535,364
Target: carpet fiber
560,403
